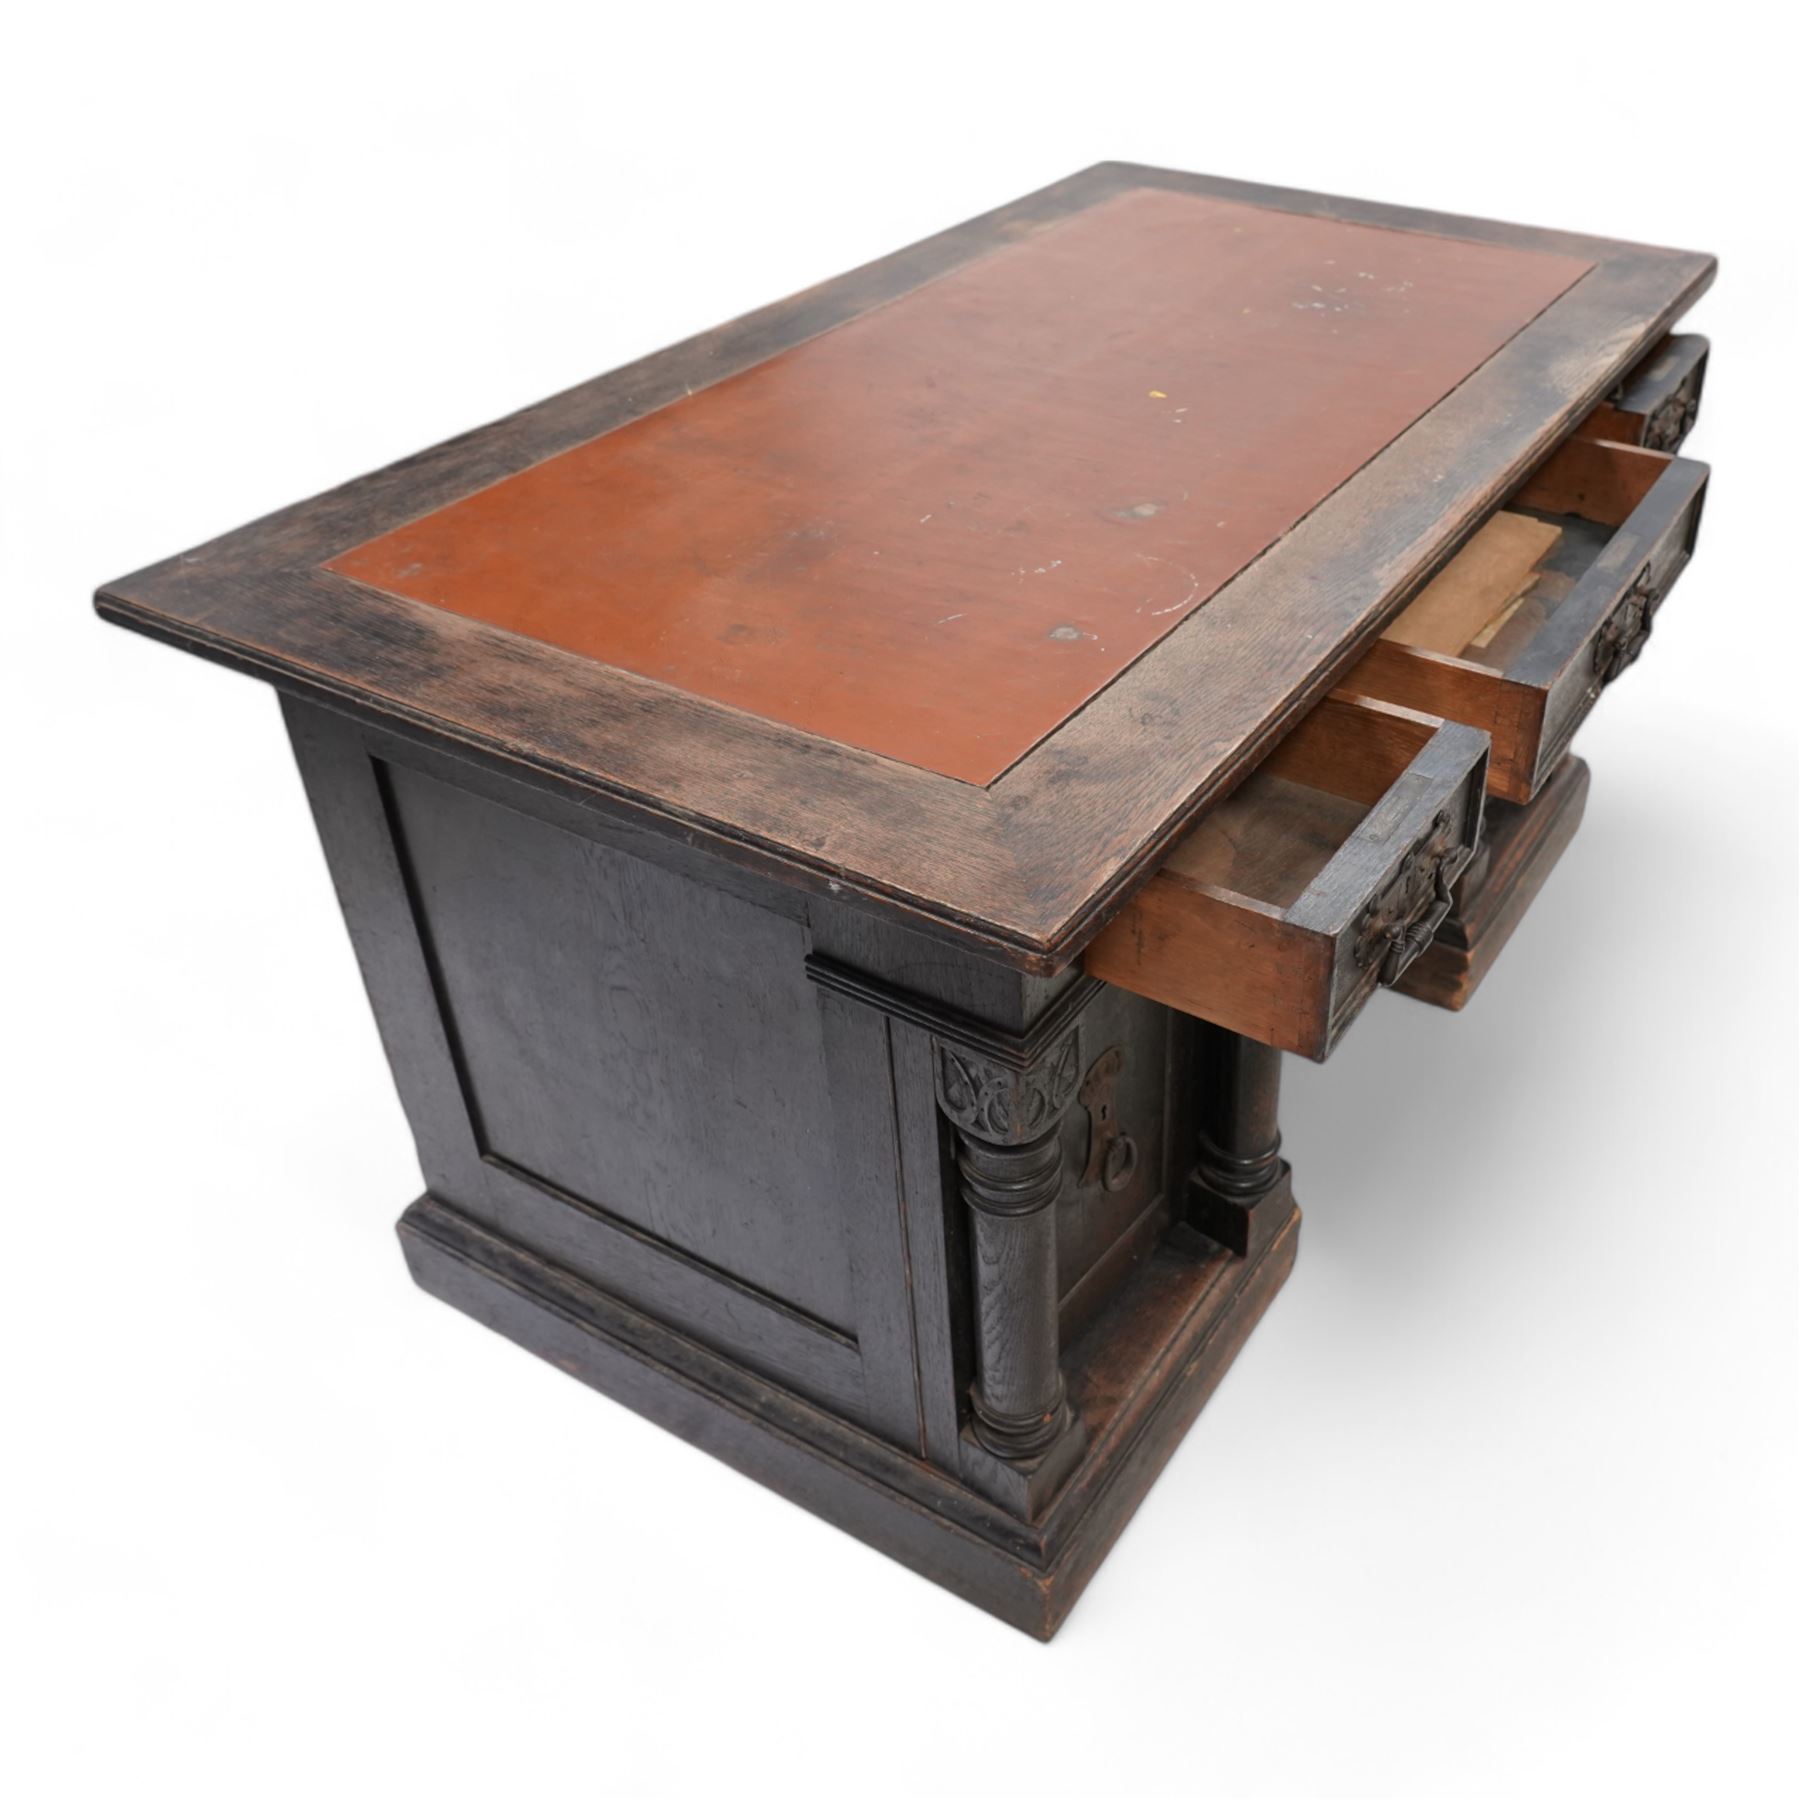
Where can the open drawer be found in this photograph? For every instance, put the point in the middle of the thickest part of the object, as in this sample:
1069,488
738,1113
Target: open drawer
1316,881
1657,403
1548,603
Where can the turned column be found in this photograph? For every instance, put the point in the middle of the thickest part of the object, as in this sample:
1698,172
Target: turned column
1240,1190
1008,1120
1018,1400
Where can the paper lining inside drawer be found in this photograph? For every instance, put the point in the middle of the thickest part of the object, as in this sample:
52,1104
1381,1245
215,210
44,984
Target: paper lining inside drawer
1502,588
1475,593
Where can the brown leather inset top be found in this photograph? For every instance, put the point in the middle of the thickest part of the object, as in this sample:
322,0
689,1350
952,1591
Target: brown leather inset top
936,531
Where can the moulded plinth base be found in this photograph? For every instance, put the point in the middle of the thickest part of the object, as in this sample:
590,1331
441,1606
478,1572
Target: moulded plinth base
1137,1377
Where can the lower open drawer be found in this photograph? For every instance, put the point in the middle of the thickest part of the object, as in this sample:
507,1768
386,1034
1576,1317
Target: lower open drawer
1522,631
1314,883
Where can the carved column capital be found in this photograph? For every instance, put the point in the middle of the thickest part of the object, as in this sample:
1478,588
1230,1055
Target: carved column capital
1001,1103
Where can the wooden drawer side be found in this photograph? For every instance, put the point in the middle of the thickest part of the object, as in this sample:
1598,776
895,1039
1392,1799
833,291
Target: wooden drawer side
1218,956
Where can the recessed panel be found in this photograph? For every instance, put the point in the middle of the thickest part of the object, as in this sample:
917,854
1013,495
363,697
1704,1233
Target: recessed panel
638,1041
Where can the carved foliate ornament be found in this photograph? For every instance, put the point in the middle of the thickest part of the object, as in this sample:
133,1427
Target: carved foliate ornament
1002,1105
1671,421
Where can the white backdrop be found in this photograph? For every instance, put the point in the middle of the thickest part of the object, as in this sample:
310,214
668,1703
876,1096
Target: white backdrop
1499,1499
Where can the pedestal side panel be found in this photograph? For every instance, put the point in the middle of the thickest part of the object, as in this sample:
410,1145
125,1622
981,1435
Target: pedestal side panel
631,1039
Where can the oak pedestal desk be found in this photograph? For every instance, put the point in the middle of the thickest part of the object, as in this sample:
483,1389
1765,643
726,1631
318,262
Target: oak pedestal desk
841,819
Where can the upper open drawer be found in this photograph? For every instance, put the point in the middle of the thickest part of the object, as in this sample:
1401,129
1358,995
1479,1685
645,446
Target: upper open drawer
1656,405
1549,602
1315,882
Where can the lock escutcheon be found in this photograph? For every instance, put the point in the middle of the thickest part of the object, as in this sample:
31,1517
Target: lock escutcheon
1112,1157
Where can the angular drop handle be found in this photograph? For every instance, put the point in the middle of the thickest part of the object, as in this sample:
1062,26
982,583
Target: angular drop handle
1402,921
1405,942
1621,640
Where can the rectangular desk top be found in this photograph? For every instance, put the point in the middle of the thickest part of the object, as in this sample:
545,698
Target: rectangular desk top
963,582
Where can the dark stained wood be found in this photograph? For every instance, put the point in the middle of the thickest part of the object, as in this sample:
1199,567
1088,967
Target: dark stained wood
757,1077
1522,846
934,1222
567,1022
1141,1375
524,1009
1122,1254
1029,867
937,530
1105,1222
590,997
1241,1192
1329,872
342,788
1020,1411
1628,519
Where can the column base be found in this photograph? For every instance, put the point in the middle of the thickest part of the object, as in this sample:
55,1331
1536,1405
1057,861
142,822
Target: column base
1023,1484
1242,1222
1137,1376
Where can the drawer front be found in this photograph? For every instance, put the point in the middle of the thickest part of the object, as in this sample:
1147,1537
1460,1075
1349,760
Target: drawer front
1315,884
1655,406
1625,523
1605,624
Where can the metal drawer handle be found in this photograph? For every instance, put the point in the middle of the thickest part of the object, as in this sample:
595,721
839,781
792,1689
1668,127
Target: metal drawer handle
1400,924
1622,638
1405,942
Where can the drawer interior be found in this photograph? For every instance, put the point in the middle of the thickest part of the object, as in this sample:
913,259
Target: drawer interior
1499,594
1269,840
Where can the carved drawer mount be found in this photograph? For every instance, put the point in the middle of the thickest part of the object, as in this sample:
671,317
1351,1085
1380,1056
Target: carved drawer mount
1316,882
1657,403
1397,925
